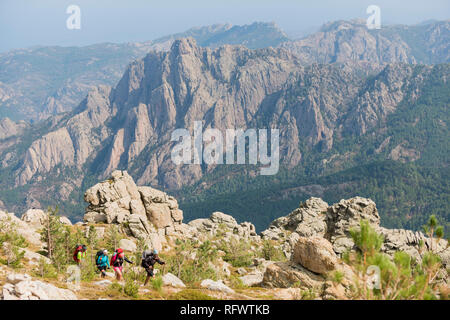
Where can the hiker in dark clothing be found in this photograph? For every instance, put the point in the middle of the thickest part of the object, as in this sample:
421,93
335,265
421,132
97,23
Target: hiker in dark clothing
117,262
149,258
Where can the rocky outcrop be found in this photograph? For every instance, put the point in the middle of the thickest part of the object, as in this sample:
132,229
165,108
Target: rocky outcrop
346,215
324,225
22,287
10,128
315,254
36,218
287,275
116,199
143,212
21,227
147,213
226,225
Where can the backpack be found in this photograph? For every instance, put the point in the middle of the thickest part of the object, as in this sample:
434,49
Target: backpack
75,254
146,255
115,256
98,255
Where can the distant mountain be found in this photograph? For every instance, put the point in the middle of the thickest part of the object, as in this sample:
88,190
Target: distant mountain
39,82
341,41
344,128
255,36
44,81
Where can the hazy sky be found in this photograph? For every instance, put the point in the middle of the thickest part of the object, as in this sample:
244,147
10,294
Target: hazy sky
25,23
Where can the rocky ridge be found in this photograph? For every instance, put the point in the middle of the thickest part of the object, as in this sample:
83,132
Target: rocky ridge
117,127
312,239
315,218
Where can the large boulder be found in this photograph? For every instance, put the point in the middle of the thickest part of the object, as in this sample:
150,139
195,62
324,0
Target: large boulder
216,286
347,215
173,281
226,225
287,275
34,217
306,221
222,218
21,227
252,279
22,287
159,214
315,254
127,245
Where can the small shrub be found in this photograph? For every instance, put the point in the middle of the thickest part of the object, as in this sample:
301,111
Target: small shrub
46,270
114,289
131,288
13,256
238,253
157,283
270,252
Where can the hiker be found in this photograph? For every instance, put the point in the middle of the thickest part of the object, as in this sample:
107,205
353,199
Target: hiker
149,258
117,263
102,262
79,253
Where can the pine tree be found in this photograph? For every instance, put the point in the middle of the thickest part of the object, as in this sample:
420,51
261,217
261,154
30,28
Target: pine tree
52,229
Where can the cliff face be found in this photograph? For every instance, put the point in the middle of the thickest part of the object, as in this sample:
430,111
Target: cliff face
129,126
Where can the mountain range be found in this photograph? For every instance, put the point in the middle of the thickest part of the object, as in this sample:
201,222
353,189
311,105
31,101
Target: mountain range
359,111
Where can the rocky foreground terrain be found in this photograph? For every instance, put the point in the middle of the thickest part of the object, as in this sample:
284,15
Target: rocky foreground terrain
311,242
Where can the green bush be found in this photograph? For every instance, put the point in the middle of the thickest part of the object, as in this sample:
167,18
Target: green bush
238,252
114,289
157,283
13,256
131,288
46,270
190,269
270,252
398,278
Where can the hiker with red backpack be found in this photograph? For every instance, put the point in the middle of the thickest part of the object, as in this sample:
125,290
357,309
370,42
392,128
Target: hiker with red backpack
79,253
117,263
